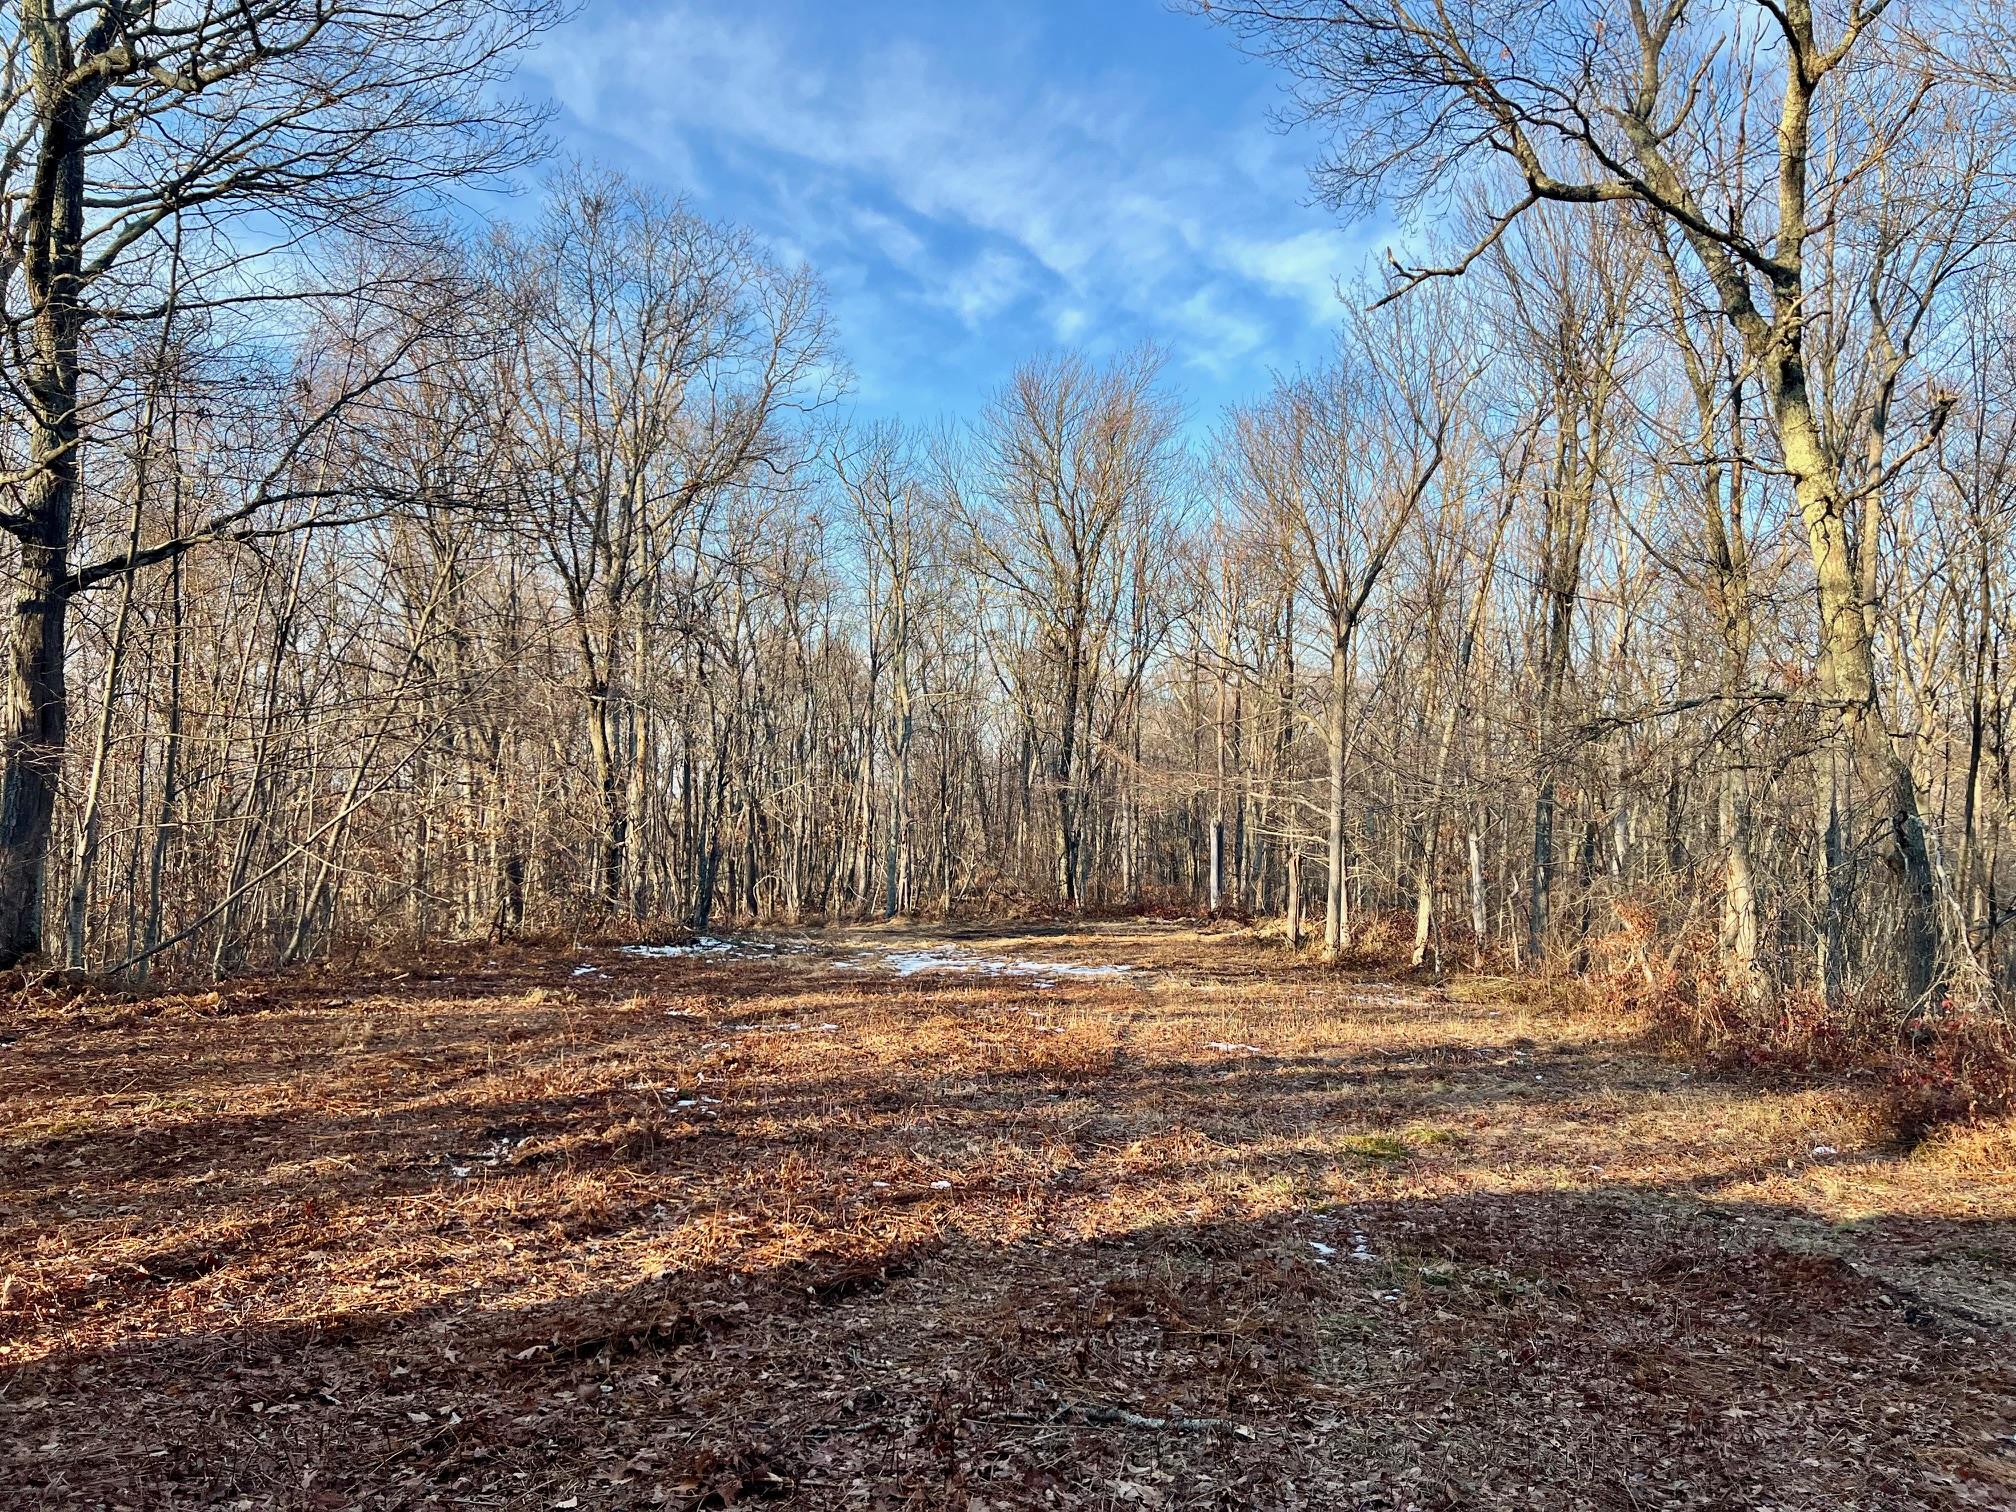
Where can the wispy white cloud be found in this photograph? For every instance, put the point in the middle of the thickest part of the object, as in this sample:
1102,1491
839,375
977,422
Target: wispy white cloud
990,189
986,286
1306,266
1215,335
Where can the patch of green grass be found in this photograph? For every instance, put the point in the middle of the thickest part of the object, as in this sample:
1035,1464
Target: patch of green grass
1378,1146
1428,1136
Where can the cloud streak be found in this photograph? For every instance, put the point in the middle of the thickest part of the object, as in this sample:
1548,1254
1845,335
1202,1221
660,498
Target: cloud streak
975,186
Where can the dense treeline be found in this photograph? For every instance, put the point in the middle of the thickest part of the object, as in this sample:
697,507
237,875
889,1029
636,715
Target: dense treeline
1633,591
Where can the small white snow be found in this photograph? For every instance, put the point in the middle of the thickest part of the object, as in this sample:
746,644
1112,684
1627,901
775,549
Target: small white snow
1042,974
581,971
941,1186
1824,1150
1325,1250
1232,1049
910,962
1361,1248
706,945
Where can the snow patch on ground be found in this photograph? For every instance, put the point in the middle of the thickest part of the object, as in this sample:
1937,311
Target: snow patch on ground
1387,995
1361,1246
715,945
1041,974
704,945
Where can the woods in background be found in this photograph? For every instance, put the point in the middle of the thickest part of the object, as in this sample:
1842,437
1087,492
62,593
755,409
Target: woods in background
1632,590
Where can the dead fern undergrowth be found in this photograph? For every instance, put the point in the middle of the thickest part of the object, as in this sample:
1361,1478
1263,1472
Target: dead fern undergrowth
528,1227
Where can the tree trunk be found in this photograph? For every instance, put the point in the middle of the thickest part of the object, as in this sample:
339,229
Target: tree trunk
35,725
1294,894
35,719
1335,906
1848,680
91,811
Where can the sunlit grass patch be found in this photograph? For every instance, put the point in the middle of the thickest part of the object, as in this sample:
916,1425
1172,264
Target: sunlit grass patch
886,1215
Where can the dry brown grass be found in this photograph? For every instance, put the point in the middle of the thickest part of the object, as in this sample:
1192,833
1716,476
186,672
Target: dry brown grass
490,1234
1948,1062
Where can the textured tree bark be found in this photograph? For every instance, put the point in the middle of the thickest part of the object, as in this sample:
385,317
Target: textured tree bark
1065,776
32,737
1858,737
1294,884
91,809
35,729
613,837
1569,498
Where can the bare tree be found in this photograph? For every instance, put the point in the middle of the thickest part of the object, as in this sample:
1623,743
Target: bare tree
131,127
1342,459
1062,461
1667,113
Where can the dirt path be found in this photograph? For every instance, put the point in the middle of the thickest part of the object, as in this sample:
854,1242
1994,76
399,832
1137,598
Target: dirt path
968,1220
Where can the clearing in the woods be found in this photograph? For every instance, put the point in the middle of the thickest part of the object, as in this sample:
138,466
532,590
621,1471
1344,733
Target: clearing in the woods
944,1219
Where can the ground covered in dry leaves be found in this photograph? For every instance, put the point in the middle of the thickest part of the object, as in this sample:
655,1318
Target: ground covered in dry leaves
898,1219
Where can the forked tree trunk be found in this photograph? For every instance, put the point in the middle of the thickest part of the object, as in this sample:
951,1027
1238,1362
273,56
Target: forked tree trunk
1847,665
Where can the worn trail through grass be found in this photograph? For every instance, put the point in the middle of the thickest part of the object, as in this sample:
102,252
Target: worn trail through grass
1125,1216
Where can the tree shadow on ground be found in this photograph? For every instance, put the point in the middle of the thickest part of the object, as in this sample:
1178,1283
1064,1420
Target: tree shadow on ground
1552,1349
943,1258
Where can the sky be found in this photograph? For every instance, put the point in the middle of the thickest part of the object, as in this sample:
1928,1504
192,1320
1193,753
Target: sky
978,181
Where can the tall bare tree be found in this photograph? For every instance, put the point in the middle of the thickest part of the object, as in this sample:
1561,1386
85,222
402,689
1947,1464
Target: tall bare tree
128,128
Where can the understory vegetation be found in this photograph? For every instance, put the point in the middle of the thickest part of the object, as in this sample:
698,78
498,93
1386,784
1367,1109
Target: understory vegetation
1112,1216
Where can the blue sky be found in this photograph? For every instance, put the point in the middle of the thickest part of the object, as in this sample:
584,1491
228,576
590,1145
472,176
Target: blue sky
977,180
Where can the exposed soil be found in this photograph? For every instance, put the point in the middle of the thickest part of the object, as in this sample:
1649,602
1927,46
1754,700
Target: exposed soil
791,1226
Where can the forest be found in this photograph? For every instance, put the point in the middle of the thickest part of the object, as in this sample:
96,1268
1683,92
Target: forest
1266,855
